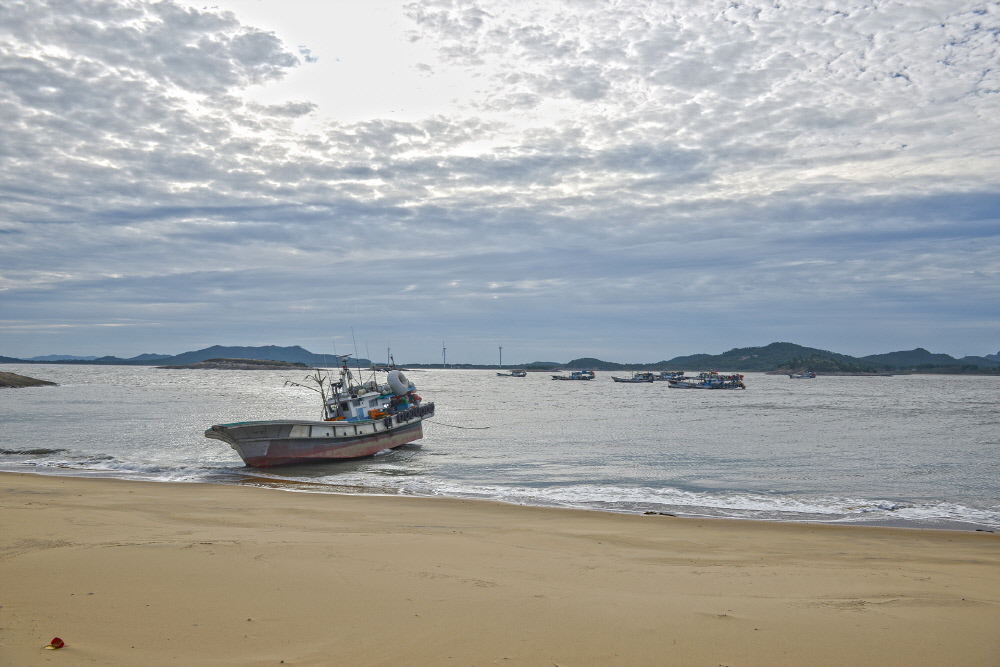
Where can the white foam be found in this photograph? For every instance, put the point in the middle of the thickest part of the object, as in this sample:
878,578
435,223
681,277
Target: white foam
741,505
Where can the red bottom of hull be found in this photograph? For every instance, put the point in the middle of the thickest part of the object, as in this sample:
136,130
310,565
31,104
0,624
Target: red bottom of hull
267,452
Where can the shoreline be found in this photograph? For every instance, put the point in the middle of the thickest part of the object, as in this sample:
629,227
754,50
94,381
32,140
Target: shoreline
131,572
252,479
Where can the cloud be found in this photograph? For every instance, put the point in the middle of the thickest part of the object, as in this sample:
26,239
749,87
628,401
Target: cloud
616,168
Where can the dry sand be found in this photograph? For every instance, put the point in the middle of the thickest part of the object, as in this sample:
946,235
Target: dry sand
146,574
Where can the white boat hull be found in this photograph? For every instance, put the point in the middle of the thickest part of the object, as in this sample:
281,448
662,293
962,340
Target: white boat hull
675,384
265,444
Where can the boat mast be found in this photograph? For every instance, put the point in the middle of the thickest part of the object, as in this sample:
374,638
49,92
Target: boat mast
501,357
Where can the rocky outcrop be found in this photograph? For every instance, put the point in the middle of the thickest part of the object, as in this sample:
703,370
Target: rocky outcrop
15,380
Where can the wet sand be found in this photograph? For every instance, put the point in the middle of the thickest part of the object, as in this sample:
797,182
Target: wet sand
144,573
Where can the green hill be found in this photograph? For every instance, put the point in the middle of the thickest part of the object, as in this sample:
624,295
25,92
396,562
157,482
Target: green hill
594,364
922,359
295,354
768,358
910,358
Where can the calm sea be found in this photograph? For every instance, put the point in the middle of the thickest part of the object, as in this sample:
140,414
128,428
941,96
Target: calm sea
918,450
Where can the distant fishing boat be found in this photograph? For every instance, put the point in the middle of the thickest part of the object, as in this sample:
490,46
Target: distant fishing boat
709,380
802,376
515,373
669,375
576,375
359,418
641,376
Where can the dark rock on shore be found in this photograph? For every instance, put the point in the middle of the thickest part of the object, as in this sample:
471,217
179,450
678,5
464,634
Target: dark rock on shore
15,380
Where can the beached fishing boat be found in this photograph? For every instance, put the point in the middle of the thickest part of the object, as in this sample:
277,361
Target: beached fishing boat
576,375
514,374
641,376
802,376
359,418
709,380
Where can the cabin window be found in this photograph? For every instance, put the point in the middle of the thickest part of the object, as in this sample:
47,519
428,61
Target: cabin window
373,403
357,402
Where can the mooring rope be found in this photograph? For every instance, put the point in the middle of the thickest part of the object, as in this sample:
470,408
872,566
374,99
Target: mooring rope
471,428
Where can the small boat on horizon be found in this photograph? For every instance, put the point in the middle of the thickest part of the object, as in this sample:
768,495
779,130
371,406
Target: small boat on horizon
709,380
802,376
576,375
359,418
518,373
639,376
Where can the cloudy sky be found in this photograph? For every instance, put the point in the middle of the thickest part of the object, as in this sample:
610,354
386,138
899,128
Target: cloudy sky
626,179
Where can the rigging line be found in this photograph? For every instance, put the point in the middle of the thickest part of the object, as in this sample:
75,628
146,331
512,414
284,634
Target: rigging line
357,357
471,428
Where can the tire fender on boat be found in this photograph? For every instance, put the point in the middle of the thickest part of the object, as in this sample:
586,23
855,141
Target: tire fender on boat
398,383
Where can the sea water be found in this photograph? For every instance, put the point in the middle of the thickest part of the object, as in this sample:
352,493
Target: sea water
912,450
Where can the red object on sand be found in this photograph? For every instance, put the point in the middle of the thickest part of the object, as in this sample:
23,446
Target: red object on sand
57,643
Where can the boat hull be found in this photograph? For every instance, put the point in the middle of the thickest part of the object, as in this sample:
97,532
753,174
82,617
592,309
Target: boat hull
689,385
266,444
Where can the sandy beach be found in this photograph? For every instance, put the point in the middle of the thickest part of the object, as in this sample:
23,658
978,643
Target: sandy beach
144,573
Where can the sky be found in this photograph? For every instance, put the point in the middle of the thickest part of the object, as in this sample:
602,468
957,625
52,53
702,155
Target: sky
631,180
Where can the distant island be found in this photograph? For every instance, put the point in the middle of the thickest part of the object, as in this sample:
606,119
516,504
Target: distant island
242,365
776,358
293,354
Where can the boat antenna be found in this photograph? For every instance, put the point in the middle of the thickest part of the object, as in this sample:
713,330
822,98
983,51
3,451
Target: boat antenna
326,360
357,358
